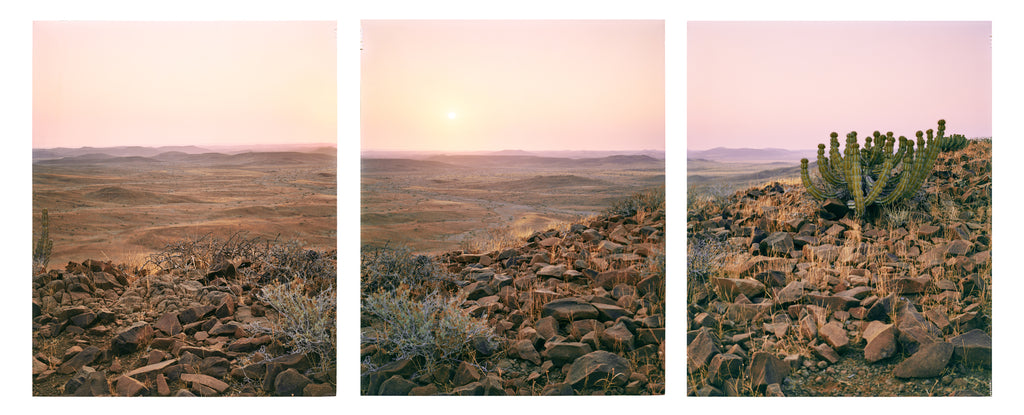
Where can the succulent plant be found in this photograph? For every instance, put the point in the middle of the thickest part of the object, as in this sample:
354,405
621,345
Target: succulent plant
874,174
953,143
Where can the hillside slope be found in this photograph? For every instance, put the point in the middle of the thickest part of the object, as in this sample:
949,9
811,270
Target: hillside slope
792,297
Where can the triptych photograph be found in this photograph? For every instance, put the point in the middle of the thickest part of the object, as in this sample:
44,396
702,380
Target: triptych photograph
515,189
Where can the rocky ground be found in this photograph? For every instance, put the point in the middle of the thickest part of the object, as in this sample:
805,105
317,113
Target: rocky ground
576,312
790,297
99,330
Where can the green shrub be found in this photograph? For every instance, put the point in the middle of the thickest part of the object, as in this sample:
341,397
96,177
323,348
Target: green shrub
435,328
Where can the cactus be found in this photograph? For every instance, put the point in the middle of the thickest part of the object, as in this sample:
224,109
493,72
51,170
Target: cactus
953,143
41,253
874,174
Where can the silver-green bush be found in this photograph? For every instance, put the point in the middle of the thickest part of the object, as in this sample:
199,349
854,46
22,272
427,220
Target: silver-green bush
435,328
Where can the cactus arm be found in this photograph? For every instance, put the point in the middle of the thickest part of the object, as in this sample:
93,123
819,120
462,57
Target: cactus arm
811,188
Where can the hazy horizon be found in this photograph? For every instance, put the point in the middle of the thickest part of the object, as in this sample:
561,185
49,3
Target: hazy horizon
789,84
111,83
469,85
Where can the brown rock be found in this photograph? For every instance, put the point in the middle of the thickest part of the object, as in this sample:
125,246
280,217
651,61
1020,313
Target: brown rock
973,347
700,351
204,380
82,358
881,341
132,339
291,383
128,386
570,308
834,334
927,362
766,369
732,287
596,367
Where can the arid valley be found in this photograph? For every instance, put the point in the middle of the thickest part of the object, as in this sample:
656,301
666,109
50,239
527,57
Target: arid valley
121,204
446,202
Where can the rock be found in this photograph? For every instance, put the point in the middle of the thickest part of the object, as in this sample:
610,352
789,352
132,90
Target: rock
617,338
766,369
732,287
881,341
562,353
525,350
471,389
927,362
700,351
907,285
808,327
551,271
169,324
834,334
249,344
777,244
323,389
826,352
771,278
87,382
724,366
973,347
570,308
205,380
128,386
546,328
150,371
609,279
608,312
466,373
82,358
291,383
595,368
833,209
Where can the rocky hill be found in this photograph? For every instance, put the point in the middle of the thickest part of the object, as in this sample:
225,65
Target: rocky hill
791,297
576,311
207,322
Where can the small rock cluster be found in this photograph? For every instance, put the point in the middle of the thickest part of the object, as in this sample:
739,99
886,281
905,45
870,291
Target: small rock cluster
95,333
578,312
805,291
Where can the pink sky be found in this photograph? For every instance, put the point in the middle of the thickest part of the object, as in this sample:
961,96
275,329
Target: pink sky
181,83
528,85
789,84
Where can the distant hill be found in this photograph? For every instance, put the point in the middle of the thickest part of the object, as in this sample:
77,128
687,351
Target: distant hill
140,151
205,159
569,154
750,155
120,151
618,161
373,165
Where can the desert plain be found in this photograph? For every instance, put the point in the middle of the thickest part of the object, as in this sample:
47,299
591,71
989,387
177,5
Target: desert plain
438,203
123,203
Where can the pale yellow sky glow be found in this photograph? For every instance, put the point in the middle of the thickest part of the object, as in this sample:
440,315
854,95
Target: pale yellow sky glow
183,83
528,85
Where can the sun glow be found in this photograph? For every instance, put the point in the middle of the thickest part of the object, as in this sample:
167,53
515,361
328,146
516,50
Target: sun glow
451,115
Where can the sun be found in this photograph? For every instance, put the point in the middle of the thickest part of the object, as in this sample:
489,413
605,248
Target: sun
452,115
